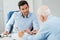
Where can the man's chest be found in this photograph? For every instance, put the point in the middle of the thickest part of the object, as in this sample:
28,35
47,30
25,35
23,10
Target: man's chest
23,21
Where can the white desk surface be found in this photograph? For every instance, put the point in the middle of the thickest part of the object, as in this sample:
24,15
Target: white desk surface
7,38
13,37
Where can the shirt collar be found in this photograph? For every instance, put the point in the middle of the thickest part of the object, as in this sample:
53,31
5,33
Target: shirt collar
50,16
26,16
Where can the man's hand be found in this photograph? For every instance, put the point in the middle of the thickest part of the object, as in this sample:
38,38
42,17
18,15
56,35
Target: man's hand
20,34
5,33
34,31
28,31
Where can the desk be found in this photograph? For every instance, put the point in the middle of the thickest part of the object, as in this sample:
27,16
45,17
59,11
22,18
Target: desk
7,38
12,37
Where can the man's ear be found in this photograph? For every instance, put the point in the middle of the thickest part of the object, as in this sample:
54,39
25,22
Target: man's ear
42,18
28,6
19,9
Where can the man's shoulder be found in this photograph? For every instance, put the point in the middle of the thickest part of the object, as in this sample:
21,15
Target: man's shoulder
55,19
16,13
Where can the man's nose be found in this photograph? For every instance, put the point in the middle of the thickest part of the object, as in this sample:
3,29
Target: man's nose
25,10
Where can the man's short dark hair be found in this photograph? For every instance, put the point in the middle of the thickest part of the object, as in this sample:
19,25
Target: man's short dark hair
21,3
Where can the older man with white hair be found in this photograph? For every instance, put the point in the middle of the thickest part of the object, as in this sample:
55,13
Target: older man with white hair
50,29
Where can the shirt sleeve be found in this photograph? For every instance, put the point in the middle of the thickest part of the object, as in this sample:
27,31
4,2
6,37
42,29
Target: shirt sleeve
35,23
10,22
43,33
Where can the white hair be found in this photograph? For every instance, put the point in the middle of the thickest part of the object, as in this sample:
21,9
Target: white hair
44,10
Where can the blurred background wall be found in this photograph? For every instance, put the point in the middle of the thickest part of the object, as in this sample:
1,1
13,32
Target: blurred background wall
1,17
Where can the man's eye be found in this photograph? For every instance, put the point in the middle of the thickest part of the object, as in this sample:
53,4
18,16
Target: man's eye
26,8
22,9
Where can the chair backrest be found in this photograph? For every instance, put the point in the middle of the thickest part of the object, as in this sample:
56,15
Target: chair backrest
8,17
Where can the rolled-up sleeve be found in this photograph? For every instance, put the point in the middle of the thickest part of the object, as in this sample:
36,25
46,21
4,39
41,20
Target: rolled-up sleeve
10,22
